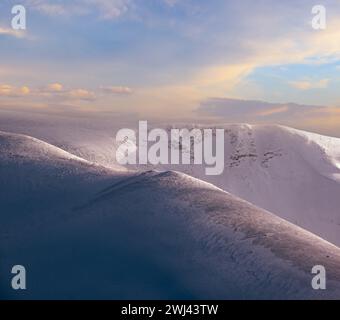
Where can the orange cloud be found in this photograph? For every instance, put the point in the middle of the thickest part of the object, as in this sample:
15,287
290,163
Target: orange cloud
80,94
12,33
273,111
7,90
55,87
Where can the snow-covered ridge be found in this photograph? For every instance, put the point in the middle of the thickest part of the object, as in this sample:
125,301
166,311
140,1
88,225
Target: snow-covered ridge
18,145
292,173
149,235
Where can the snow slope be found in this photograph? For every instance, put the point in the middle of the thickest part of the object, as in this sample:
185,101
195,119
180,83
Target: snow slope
292,173
24,195
83,231
89,136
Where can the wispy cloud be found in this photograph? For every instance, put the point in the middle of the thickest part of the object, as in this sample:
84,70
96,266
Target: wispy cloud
258,111
49,8
323,119
58,92
312,49
177,53
12,33
310,84
117,90
106,9
80,94
273,111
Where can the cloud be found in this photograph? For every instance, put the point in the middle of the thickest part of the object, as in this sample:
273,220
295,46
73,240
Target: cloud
25,90
322,119
49,8
80,94
105,9
109,9
58,92
258,111
116,90
226,42
12,33
53,91
55,87
7,90
273,111
302,46
225,76
307,84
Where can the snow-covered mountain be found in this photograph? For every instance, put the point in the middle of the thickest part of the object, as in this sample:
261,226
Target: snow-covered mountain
84,231
89,136
292,173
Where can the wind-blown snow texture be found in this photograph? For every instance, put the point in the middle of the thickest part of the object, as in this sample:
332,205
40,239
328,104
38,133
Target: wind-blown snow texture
292,173
85,231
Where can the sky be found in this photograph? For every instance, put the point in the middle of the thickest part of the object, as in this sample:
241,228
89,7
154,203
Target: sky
245,61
